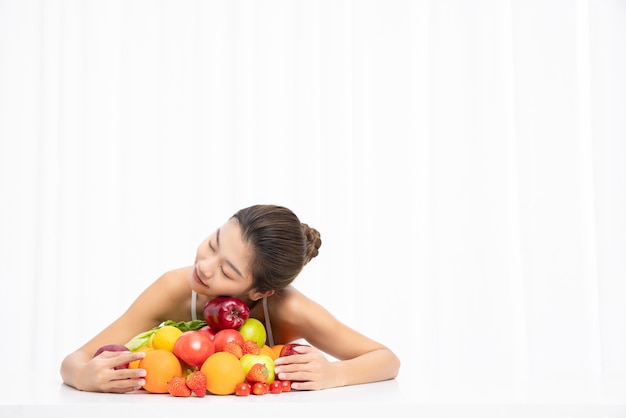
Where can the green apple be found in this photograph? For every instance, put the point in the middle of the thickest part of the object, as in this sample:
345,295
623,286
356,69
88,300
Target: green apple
253,329
249,360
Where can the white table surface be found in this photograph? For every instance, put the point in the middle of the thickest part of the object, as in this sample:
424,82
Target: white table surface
563,395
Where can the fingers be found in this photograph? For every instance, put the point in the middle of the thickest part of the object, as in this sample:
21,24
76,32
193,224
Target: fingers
304,385
125,385
307,370
122,374
303,370
303,356
120,358
294,359
302,380
125,380
127,358
118,380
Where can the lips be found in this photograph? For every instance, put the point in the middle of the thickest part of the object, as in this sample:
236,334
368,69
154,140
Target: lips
197,278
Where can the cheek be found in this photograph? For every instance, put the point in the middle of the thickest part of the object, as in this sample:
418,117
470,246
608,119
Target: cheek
234,289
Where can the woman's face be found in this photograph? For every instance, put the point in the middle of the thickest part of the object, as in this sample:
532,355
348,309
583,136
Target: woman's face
222,263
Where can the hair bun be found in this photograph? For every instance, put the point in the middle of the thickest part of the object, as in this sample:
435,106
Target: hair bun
313,242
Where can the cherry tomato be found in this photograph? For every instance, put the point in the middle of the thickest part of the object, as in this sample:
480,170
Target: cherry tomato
286,384
259,388
243,389
276,387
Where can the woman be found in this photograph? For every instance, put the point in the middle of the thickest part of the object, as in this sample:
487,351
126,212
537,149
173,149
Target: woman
254,256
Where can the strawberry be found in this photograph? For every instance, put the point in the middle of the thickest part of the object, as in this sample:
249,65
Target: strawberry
234,348
177,387
258,373
250,347
196,382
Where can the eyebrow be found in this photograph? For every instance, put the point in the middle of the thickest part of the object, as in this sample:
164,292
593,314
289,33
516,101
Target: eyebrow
227,261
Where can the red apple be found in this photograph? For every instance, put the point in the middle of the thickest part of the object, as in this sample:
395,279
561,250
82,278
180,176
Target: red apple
224,336
288,349
225,312
112,347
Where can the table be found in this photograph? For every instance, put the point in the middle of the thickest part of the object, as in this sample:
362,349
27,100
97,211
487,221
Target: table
572,395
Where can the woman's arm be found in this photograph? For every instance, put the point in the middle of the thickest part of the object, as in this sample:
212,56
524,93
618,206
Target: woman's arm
164,299
360,359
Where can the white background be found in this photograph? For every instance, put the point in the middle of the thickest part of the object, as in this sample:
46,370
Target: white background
464,162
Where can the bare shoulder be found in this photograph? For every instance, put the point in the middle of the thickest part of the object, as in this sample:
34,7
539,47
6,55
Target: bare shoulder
167,297
298,310
292,302
175,280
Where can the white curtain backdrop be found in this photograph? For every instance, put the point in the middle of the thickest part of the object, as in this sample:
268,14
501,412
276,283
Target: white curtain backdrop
465,162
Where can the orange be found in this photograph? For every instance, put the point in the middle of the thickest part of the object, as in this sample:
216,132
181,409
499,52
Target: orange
135,364
276,349
267,350
165,337
160,365
223,372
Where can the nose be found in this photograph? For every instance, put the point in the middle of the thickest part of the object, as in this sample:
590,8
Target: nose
207,267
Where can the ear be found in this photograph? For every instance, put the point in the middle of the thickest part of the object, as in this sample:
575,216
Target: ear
256,295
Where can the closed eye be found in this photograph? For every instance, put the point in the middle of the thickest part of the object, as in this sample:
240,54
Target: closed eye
217,240
224,273
221,267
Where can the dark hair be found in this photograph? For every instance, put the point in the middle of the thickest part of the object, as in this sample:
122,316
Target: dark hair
281,245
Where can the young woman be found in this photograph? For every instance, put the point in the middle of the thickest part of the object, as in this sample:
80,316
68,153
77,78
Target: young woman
254,256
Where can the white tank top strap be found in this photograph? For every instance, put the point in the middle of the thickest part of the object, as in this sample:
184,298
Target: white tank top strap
268,325
194,297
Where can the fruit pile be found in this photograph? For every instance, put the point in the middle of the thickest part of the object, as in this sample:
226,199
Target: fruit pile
224,354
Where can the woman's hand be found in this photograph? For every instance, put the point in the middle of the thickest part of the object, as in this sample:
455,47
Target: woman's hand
308,370
99,374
